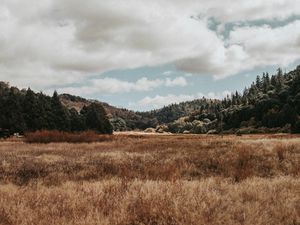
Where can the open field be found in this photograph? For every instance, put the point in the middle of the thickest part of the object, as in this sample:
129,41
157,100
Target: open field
152,179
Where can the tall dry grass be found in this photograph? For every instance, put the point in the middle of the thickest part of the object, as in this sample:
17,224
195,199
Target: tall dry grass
149,158
210,201
152,180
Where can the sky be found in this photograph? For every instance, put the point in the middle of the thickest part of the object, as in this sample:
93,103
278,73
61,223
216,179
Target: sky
141,54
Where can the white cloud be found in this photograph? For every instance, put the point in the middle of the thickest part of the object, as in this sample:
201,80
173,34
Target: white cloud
167,73
178,81
250,47
112,85
266,46
159,101
52,42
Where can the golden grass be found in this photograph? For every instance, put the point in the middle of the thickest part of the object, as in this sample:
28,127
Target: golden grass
209,201
136,179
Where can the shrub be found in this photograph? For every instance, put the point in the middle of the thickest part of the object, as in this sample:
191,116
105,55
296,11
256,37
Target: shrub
46,136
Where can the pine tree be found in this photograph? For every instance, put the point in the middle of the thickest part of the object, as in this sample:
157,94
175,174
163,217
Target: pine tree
265,83
77,122
95,119
279,73
258,82
13,116
60,117
30,105
267,79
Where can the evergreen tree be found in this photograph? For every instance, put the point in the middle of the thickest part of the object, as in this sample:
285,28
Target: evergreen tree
30,106
95,119
12,114
273,81
279,73
267,79
258,82
77,122
60,117
265,84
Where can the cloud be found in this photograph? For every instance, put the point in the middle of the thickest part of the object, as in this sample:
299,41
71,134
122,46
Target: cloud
247,48
109,85
65,42
159,101
168,73
268,46
178,81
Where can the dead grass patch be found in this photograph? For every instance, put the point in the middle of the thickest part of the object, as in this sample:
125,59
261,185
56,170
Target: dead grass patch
114,201
47,136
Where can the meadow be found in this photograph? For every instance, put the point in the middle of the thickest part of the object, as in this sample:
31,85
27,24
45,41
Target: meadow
131,179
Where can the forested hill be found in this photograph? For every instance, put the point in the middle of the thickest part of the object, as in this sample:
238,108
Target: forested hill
24,111
270,104
123,119
271,101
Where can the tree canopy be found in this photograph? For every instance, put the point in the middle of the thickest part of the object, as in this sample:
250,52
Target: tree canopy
24,111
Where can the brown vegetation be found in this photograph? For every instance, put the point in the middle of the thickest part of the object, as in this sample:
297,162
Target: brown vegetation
136,179
47,136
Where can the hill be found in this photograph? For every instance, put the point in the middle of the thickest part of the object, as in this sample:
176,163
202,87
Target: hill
121,119
124,120
270,104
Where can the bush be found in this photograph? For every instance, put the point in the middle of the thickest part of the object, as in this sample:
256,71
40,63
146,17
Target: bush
46,136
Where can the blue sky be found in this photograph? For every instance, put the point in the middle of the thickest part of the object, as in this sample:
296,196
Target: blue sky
142,54
196,86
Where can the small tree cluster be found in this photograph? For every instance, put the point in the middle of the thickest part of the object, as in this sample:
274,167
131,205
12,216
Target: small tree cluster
26,111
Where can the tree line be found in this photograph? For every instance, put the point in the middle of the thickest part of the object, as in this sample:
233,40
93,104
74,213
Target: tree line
271,101
26,111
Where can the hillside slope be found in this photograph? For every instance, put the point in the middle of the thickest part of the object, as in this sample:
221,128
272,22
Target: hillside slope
121,119
270,104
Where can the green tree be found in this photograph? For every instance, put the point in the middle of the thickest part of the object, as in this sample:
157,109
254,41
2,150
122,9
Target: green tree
96,119
258,82
60,116
77,122
12,116
30,110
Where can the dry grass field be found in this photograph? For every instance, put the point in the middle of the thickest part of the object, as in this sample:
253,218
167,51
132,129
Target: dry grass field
152,179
